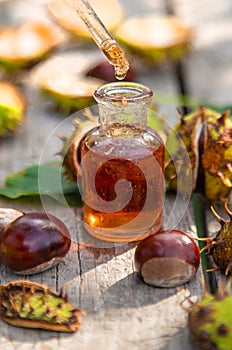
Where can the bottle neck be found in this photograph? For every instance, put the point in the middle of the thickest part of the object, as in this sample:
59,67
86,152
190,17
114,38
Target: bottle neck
123,103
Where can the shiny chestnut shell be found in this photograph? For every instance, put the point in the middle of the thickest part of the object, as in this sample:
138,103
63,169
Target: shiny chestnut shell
167,258
33,243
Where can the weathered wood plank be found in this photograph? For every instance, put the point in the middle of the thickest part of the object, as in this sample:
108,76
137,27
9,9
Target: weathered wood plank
103,281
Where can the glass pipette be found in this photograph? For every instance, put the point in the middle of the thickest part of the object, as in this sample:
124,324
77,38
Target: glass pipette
101,36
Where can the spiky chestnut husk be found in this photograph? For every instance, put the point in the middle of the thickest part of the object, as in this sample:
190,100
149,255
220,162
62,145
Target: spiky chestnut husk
210,322
220,247
63,78
27,43
157,39
68,102
207,137
12,107
32,305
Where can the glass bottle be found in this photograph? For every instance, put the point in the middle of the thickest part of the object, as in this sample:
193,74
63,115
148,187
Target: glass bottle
122,166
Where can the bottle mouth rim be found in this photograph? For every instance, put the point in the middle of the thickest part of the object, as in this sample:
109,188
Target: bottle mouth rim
123,92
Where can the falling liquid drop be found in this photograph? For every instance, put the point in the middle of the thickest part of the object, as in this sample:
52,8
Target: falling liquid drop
119,73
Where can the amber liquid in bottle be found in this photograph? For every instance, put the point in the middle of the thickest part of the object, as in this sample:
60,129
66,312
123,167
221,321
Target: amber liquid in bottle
123,190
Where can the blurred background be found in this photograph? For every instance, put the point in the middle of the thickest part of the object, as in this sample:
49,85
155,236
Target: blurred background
206,66
181,49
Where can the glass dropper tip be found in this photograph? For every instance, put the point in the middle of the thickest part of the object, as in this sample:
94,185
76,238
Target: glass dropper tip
116,57
101,36
120,71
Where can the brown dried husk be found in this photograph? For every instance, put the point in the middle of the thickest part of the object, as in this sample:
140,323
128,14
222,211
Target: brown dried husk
207,136
28,304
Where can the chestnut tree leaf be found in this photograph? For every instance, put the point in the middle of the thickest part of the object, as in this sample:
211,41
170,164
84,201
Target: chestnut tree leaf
40,180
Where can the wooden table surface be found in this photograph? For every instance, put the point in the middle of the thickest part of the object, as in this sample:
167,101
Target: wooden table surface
122,312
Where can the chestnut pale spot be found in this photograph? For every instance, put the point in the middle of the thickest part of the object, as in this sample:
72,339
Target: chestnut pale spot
166,272
167,258
7,215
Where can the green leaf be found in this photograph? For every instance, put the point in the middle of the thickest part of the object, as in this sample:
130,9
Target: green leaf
39,180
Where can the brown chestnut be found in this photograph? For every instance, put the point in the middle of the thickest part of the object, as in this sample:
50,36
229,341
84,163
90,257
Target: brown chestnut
33,242
167,259
105,71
